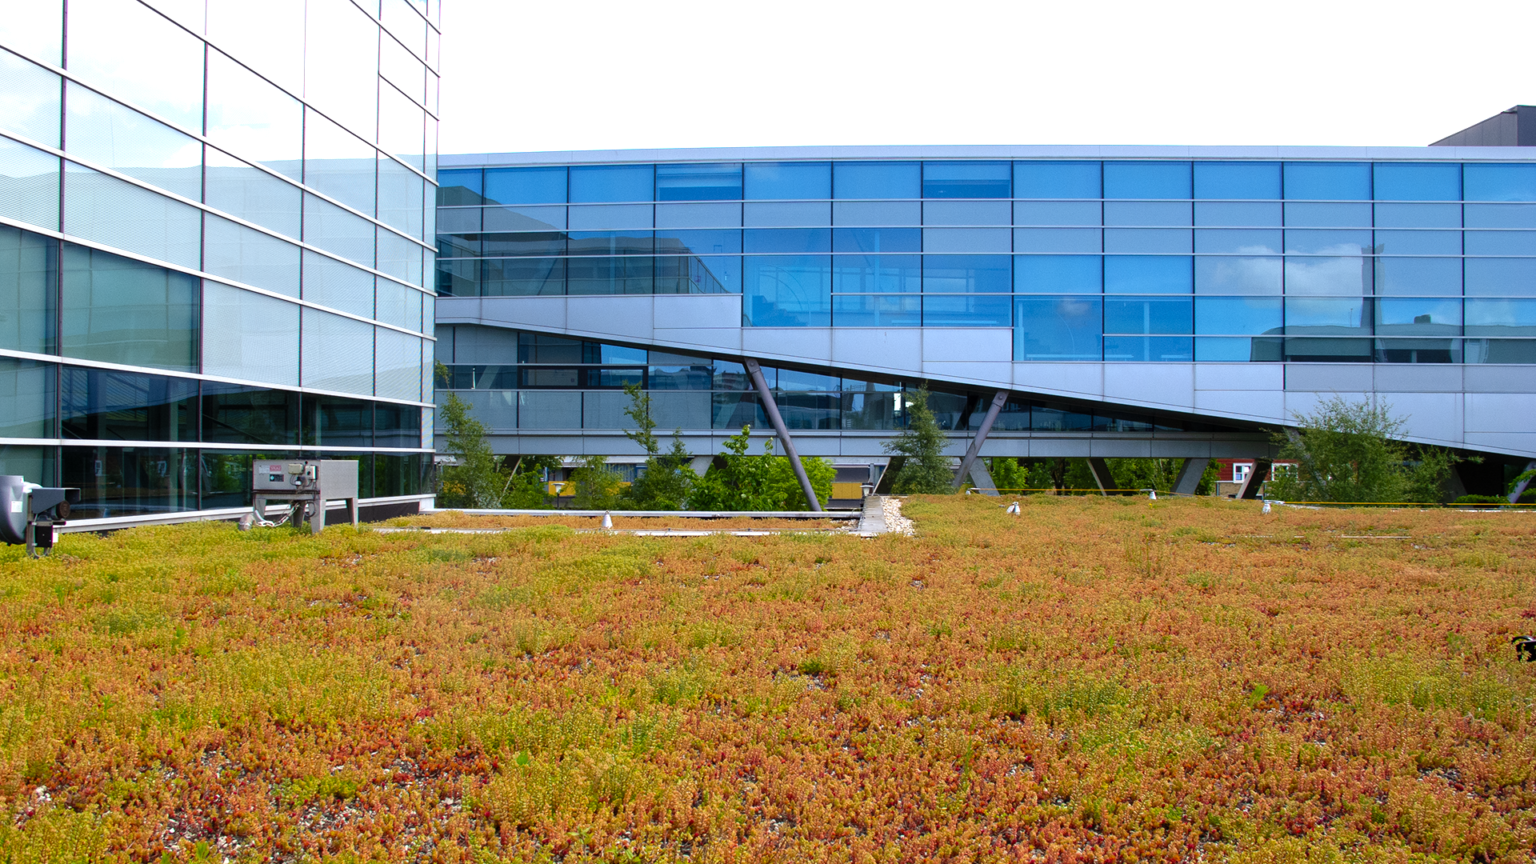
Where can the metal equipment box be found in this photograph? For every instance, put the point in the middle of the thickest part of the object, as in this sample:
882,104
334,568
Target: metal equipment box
307,485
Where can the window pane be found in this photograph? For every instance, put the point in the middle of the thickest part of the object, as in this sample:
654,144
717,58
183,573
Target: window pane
397,364
769,181
114,136
1493,277
877,180
463,187
1327,215
126,481
1146,349
332,283
625,275
1058,274
1058,240
1146,180
958,310
1222,349
117,310
1238,315
28,267
1237,215
402,69
1425,181
553,243
1148,315
1418,276
236,414
335,230
1130,274
517,277
402,128
462,278
29,184
1148,213
1419,242
1237,180
1328,275
788,240
267,35
1436,316
514,185
1057,213
1328,181
1500,350
341,64
32,98
1498,215
336,420
1147,240
1500,182
967,274
877,240
1238,242
1057,328
249,116
1309,242
788,291
251,194
136,55
34,29
339,163
401,192
1234,275
242,254
698,242
1057,179
1418,215
337,355
1501,317
877,310
604,183
708,182
1501,242
611,243
692,274
866,274
966,180
1327,316
399,257
967,240
254,337
112,212
26,402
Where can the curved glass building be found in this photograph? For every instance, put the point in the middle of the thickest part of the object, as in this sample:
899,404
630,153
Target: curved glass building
216,225
1127,301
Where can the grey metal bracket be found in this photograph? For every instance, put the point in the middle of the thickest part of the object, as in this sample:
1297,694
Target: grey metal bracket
772,409
971,452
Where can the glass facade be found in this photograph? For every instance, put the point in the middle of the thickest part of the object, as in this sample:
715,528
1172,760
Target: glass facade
1105,261
216,238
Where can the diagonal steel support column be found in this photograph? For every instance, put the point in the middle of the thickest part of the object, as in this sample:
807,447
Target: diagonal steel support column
1255,481
981,436
1514,495
1101,474
1189,476
772,409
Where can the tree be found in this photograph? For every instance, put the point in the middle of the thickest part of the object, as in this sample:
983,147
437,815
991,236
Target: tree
926,470
597,485
667,479
1009,475
474,479
526,487
784,486
1345,451
744,482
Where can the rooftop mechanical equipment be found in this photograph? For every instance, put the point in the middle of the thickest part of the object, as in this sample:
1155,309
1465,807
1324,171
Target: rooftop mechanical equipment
306,486
29,512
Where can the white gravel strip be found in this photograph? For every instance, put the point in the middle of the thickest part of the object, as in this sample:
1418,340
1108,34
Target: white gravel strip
895,523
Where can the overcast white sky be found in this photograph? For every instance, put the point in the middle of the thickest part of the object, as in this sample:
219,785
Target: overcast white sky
666,73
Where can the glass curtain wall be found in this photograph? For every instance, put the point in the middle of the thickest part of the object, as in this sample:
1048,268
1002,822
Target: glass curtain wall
1120,261
241,196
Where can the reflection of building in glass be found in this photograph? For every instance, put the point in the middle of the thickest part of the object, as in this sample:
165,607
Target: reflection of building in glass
1131,301
215,226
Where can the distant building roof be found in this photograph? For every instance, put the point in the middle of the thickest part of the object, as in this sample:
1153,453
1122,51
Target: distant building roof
1513,128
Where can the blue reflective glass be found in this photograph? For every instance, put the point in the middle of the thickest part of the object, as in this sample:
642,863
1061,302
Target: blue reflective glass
966,180
1327,215
1058,213
1148,315
877,310
611,243
1242,316
1428,316
1148,274
1057,328
1418,215
1227,349
699,182
787,291
524,185
1230,274
1418,181
1237,214
1058,274
779,181
707,242
967,274
459,187
1323,275
1148,349
694,274
1237,180
1496,277
887,274
1057,179
602,183
1060,240
1328,181
1501,242
1418,276
1501,317
1419,242
1146,241
1500,182
1146,180
1497,215
1237,241
1310,242
787,240
877,240
960,310
1321,316
877,180
1146,213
